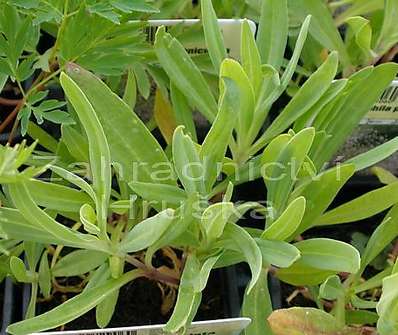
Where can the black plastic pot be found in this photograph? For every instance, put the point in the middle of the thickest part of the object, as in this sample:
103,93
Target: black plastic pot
9,305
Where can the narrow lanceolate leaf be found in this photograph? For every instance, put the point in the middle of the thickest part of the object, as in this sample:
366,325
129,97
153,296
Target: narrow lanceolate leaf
100,158
134,150
188,164
184,73
257,305
389,31
251,60
147,232
384,176
78,263
37,217
213,35
75,180
363,89
327,254
362,207
273,32
214,219
245,99
188,300
306,97
245,244
215,145
280,178
159,192
387,308
384,234
287,223
320,192
323,27
278,253
374,155
56,197
73,308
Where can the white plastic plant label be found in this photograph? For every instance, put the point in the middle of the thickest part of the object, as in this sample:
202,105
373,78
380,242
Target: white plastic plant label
385,112
216,327
231,30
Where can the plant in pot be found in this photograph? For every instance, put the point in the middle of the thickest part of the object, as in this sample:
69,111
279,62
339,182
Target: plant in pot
360,299
334,115
92,101
11,159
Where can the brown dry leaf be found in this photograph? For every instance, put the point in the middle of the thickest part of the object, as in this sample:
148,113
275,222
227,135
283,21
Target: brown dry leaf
306,321
164,117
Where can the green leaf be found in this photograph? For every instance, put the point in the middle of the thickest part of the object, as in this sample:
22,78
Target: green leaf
187,300
384,234
360,317
389,31
73,308
78,263
245,96
204,272
100,158
245,244
362,207
43,138
15,226
215,145
363,89
384,176
374,155
300,274
323,27
251,59
159,192
273,32
147,232
74,179
184,73
281,175
387,308
19,271
359,39
89,219
76,143
182,111
213,35
187,162
37,217
130,91
105,309
331,289
133,148
308,95
327,254
257,306
288,221
278,253
320,193
45,275
214,219
56,197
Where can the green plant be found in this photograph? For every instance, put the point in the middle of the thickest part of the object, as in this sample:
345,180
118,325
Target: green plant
96,34
370,35
189,186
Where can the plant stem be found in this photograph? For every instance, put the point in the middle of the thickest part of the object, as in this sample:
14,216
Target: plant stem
9,102
152,273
